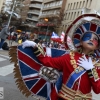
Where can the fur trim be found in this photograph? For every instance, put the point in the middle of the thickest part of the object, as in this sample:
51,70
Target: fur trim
17,75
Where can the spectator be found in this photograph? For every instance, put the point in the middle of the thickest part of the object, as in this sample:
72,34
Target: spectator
3,35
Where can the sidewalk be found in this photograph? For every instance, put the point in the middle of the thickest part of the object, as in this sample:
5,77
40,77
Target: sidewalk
10,43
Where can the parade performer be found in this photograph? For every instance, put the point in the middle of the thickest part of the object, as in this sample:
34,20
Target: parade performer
80,67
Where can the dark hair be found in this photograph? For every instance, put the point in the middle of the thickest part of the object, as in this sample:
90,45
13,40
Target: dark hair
36,41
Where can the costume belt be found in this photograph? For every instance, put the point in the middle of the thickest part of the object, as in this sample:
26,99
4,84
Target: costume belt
69,94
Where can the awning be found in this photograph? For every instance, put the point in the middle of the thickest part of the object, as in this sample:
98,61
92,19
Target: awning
43,24
45,33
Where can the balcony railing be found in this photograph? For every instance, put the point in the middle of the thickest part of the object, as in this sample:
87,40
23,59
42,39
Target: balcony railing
50,13
35,5
30,24
34,12
53,5
37,0
38,11
34,19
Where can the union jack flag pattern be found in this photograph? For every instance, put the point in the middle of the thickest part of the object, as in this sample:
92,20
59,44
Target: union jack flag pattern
29,67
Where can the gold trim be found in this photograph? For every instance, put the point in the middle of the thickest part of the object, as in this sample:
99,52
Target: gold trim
72,53
41,49
62,96
63,85
17,75
66,93
73,62
97,64
79,94
95,74
90,73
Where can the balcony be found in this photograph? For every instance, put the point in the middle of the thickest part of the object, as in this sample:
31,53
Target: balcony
46,1
46,24
37,1
50,8
53,5
33,19
34,12
50,14
36,6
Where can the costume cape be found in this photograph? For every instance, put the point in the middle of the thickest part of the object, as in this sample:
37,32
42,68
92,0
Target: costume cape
26,71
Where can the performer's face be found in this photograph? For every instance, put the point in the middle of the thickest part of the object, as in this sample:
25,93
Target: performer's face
90,41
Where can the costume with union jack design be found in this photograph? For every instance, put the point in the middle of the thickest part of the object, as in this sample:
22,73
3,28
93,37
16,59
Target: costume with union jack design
77,82
74,81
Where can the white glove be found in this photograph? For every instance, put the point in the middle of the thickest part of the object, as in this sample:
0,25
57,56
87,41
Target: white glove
28,43
85,63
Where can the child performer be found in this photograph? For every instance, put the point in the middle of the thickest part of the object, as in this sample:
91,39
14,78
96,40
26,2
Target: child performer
81,73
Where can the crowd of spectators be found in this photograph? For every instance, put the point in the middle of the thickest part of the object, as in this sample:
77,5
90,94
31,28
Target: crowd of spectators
20,36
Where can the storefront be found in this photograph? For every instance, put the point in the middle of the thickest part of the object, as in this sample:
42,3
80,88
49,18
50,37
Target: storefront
45,30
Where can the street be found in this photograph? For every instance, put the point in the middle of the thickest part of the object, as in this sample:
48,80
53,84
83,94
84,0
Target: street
11,92
7,81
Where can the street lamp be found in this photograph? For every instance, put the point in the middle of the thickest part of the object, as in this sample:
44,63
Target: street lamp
11,13
10,18
46,20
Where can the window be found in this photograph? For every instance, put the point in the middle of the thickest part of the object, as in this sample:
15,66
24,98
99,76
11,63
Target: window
90,3
81,12
80,4
65,27
77,5
77,13
86,3
68,6
66,16
71,6
83,4
71,16
74,6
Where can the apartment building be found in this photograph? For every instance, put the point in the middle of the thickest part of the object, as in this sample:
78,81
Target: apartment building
1,4
75,8
33,12
6,5
50,17
24,10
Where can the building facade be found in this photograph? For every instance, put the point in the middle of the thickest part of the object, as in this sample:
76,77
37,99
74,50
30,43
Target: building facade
75,8
6,5
33,12
24,10
50,17
1,4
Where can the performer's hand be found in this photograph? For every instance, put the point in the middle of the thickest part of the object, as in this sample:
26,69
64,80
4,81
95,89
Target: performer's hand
85,63
28,43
